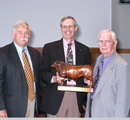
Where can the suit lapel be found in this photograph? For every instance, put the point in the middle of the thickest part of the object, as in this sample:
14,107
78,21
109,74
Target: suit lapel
78,53
32,55
33,59
15,57
106,74
60,51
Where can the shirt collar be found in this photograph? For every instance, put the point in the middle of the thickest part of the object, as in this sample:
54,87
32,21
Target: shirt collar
107,59
19,49
65,43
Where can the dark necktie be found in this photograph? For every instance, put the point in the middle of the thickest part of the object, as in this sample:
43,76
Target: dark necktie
29,76
69,58
96,79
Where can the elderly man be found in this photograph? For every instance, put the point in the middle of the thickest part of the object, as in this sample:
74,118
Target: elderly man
60,103
19,75
111,81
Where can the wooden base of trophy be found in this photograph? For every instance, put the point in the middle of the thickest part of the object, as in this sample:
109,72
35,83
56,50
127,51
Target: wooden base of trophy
75,88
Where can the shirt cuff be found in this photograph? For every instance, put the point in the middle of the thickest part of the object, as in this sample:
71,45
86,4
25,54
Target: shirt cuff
72,82
52,81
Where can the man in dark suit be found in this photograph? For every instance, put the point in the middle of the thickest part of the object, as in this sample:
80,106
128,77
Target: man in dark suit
60,103
14,101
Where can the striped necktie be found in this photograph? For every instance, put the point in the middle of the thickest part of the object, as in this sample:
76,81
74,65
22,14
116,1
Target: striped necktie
29,76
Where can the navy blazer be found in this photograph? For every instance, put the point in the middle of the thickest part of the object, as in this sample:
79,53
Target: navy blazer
13,85
52,98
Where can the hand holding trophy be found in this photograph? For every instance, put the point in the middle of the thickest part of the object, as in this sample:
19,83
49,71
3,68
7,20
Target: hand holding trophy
74,72
59,80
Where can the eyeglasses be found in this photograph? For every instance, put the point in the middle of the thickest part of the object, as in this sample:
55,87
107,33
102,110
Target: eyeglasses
107,42
65,27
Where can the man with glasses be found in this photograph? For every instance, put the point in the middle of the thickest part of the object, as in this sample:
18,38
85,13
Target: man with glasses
60,103
111,81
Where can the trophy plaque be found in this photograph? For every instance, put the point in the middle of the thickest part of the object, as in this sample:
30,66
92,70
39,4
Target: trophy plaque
74,72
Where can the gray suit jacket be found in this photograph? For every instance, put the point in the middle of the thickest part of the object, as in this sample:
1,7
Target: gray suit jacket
112,96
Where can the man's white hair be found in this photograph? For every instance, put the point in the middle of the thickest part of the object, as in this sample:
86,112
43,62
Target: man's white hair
107,30
21,23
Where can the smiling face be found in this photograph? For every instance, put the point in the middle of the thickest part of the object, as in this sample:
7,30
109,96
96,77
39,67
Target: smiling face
21,36
68,29
107,48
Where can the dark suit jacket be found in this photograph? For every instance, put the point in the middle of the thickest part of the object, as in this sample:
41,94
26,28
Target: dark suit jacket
13,85
52,98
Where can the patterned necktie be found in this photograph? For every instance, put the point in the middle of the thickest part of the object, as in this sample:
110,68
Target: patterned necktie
96,79
69,58
29,76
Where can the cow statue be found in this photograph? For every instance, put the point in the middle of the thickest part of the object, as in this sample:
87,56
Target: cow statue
74,71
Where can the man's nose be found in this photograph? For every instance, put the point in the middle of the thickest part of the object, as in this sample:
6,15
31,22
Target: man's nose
23,35
68,28
104,43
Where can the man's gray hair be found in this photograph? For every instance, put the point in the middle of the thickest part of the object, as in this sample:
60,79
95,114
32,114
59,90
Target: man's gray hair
67,17
112,34
22,24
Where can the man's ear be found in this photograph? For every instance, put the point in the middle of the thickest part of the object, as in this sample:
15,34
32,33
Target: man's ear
115,43
13,35
76,27
60,28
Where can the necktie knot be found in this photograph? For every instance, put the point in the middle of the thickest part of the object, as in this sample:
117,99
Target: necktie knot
23,50
102,61
69,44
101,66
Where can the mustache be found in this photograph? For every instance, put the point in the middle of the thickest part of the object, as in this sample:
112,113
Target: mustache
23,39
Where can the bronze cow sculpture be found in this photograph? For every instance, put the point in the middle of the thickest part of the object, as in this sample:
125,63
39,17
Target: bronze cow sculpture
73,71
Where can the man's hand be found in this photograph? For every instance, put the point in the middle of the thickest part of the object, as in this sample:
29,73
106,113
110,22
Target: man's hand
58,79
86,81
3,113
